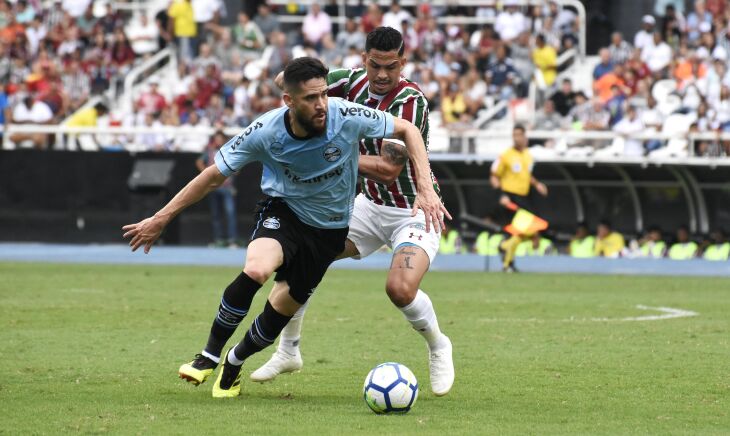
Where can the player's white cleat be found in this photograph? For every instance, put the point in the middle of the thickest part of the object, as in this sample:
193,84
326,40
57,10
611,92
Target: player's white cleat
441,368
281,362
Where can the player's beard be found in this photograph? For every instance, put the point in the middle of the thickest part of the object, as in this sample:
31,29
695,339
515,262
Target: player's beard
308,124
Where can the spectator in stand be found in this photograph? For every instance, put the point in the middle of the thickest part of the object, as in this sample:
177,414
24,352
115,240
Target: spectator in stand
395,16
615,105
206,14
597,117
193,138
151,101
432,39
644,37
316,24
549,119
184,27
705,117
453,104
204,60
673,26
248,36
210,83
501,75
475,89
627,127
689,71
264,100
55,98
709,48
410,38
164,29
431,87
521,55
31,110
122,55
76,84
657,56
266,21
71,43
25,12
143,35
152,141
683,248
652,119
695,19
86,23
608,242
5,64
602,87
110,20
35,33
214,110
372,19
546,60
75,8
223,198
605,66
564,99
242,103
350,36
4,109
280,56
511,22
661,5
619,51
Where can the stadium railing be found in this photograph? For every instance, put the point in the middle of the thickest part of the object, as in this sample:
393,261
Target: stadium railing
489,143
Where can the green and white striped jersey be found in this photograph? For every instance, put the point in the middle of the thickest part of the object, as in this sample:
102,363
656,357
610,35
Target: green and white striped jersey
405,101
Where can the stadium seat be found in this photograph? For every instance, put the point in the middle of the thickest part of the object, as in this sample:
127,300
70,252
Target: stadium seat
678,125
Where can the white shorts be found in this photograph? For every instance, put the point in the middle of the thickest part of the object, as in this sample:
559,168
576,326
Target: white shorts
373,226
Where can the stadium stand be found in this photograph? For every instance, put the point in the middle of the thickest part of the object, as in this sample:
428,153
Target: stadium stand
172,72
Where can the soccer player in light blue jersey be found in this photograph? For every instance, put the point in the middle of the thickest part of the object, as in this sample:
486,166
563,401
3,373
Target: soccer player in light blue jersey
309,150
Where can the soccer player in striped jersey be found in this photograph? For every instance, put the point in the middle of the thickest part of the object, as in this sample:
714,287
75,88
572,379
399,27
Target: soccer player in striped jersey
382,213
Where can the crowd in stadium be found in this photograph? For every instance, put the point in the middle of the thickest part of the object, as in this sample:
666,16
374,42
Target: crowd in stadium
53,59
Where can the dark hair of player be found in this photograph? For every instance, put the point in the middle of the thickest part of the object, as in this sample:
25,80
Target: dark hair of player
302,69
520,127
385,39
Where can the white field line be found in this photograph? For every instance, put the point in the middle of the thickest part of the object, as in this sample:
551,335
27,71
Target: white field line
667,313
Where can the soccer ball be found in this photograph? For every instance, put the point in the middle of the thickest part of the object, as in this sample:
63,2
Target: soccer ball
390,388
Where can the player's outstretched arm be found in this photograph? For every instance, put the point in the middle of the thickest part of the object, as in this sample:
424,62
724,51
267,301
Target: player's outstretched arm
147,231
427,200
386,167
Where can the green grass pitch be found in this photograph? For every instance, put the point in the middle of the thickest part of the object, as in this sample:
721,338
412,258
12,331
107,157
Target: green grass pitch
95,349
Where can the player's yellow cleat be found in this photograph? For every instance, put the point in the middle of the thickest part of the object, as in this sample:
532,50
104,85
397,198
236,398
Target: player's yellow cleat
197,371
228,383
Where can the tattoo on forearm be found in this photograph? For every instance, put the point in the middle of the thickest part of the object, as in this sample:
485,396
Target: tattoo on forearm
394,154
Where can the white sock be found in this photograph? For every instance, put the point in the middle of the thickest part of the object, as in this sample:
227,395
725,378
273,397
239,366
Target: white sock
215,359
422,317
290,336
232,359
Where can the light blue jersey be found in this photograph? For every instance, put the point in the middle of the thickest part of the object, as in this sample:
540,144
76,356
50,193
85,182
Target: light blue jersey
316,176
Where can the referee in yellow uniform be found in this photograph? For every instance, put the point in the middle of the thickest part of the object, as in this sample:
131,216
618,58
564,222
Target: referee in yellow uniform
511,174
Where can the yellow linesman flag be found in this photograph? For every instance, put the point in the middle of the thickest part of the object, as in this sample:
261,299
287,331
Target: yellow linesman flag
525,223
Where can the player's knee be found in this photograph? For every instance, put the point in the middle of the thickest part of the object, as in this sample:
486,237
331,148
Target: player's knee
400,291
258,273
